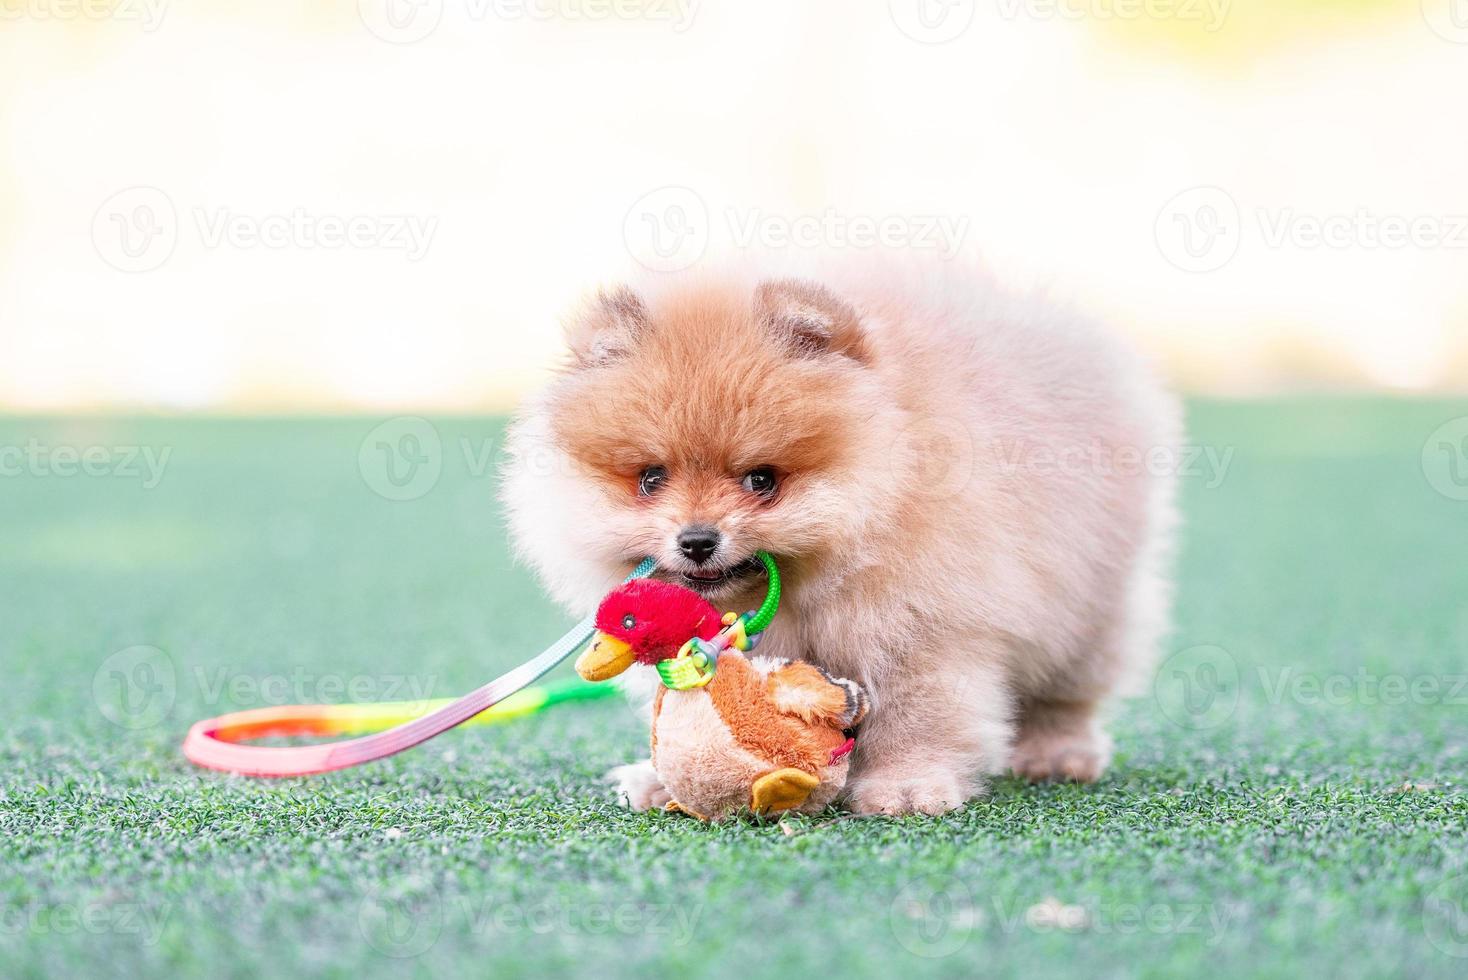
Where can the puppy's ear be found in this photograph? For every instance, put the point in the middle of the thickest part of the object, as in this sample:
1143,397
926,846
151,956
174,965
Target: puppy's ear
810,320
607,327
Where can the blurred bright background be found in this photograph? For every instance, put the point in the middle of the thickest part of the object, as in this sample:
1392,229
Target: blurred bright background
347,206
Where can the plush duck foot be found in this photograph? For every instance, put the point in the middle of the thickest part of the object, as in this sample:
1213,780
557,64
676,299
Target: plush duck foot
781,790
774,792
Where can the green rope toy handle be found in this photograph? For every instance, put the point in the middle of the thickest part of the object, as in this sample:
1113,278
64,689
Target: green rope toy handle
766,612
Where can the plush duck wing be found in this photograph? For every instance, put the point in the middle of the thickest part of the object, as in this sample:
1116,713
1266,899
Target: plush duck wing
809,693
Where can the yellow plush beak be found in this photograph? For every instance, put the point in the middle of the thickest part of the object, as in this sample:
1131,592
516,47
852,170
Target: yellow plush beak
606,657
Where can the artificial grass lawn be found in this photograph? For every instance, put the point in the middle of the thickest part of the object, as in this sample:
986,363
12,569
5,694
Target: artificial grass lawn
1273,839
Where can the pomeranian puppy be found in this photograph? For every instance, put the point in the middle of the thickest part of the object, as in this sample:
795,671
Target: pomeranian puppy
968,494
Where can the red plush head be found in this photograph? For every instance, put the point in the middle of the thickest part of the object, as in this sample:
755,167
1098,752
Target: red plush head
645,621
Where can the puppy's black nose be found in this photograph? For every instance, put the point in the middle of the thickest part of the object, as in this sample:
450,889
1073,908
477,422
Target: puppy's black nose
698,542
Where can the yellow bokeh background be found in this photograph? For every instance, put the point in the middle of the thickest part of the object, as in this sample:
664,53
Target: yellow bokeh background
527,132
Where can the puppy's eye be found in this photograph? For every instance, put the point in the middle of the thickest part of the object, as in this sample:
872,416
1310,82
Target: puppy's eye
760,481
629,621
650,480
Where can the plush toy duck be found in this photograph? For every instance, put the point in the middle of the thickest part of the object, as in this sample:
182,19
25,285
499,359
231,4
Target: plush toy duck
730,733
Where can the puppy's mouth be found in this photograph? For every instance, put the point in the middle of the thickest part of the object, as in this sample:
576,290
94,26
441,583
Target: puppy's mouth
710,580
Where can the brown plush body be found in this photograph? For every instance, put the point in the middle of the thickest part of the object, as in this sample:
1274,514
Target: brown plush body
742,742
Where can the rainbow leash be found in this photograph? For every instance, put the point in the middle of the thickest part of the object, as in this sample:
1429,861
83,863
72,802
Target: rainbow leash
216,743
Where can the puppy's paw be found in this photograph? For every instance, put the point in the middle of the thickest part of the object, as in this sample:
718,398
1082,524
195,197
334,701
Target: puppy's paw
639,787
1063,757
896,795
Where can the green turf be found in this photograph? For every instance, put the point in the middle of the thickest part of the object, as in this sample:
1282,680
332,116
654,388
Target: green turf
1273,839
